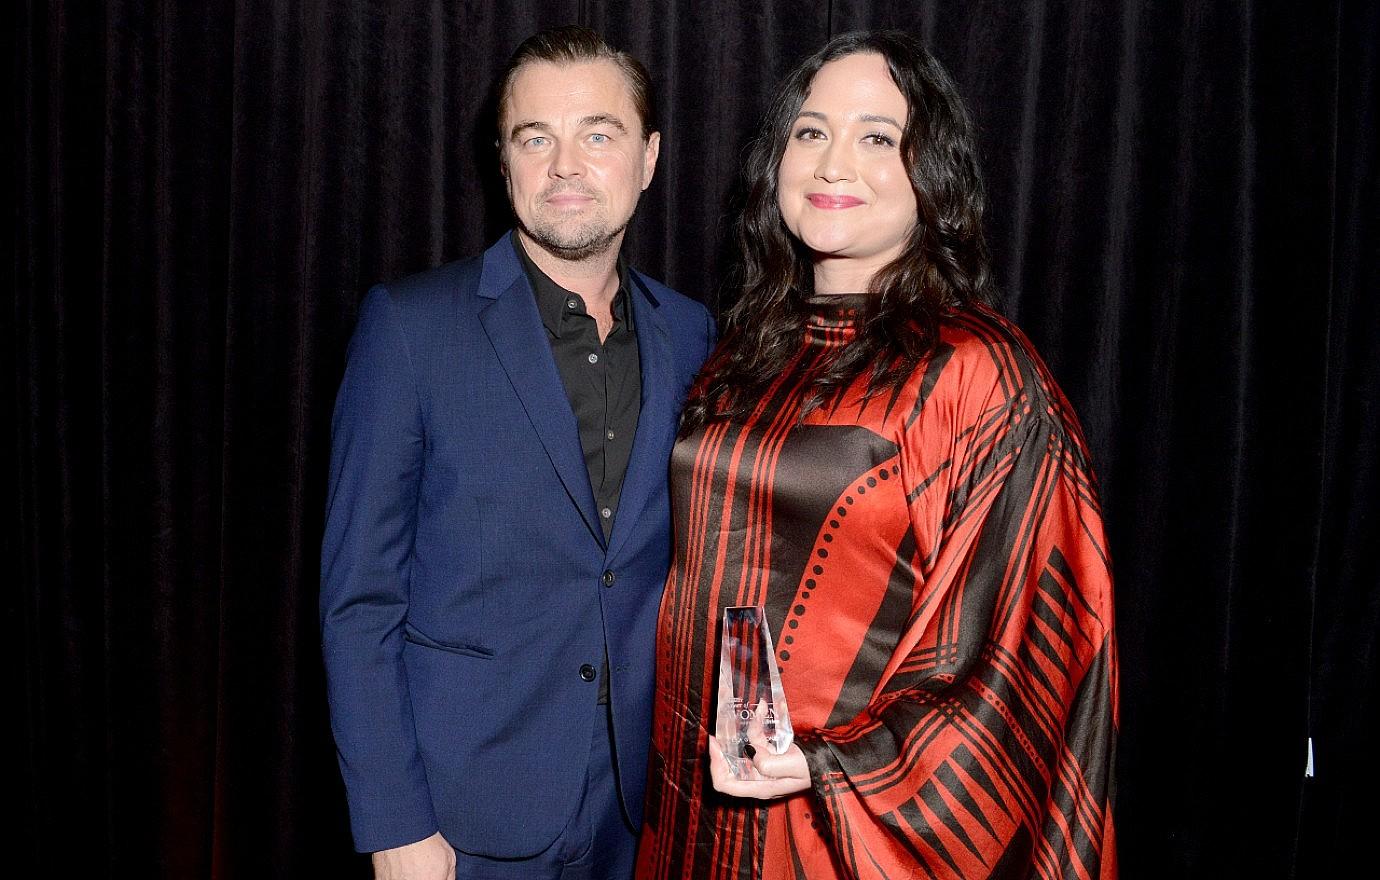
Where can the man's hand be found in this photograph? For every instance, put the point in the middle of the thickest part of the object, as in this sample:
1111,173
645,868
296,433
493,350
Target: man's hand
430,859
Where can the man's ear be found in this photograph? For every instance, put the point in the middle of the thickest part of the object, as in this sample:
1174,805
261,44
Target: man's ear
650,151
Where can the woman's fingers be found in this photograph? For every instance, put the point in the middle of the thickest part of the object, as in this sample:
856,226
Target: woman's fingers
773,776
718,767
718,763
759,789
723,780
769,775
767,762
772,766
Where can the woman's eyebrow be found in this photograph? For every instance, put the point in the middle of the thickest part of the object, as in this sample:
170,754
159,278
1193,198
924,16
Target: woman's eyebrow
866,117
872,117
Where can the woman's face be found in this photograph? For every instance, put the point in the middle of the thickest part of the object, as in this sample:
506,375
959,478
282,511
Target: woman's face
842,185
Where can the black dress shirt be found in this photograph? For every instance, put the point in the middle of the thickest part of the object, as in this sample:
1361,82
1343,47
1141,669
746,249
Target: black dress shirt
603,381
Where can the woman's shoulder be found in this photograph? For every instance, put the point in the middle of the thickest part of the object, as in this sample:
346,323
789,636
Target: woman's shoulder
981,332
983,362
980,340
981,359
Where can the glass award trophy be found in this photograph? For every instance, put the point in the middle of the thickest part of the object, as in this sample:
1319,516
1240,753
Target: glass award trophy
750,695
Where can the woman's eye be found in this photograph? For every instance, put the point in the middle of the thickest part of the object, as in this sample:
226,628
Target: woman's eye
880,140
809,134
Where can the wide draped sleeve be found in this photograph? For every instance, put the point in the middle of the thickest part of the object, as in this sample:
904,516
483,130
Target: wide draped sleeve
986,748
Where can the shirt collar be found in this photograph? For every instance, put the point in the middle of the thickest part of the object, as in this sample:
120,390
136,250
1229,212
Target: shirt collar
555,303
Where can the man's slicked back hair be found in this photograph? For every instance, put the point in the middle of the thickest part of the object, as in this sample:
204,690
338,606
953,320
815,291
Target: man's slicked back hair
574,44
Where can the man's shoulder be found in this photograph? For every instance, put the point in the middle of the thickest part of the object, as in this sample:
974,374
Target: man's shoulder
433,287
427,308
677,307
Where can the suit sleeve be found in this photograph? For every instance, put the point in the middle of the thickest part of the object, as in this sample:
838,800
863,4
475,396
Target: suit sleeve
376,466
987,747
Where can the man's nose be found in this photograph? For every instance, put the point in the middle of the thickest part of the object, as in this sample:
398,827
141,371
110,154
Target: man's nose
565,161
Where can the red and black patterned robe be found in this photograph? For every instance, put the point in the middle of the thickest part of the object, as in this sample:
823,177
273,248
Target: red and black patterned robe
936,578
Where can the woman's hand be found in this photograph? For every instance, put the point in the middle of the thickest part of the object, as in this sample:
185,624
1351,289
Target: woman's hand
772,776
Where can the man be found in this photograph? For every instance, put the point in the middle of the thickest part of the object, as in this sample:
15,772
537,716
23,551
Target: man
497,532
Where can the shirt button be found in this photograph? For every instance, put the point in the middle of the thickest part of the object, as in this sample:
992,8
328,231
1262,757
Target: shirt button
609,435
608,578
593,358
606,513
587,672
571,304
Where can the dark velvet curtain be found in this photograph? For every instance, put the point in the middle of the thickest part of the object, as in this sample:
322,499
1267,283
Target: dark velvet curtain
1184,211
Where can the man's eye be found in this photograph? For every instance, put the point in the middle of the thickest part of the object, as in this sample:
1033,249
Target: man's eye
537,141
599,138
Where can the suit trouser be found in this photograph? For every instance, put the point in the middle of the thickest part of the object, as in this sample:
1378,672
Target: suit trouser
597,843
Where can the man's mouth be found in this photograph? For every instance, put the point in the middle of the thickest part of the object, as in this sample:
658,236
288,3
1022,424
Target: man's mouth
569,200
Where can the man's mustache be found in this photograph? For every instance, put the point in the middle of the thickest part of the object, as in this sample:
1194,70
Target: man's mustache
567,190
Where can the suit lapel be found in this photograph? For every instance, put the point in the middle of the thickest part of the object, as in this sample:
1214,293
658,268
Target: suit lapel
655,422
514,328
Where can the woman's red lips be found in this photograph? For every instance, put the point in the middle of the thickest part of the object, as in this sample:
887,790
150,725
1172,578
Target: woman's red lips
827,202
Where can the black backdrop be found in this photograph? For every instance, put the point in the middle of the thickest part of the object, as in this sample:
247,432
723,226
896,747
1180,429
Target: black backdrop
1184,205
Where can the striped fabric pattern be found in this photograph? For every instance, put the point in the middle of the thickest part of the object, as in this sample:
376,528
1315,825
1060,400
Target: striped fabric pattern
936,578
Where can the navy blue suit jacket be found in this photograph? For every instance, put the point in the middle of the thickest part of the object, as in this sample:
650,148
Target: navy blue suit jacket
465,580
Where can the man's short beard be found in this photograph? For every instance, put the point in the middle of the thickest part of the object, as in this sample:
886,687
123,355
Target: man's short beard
585,244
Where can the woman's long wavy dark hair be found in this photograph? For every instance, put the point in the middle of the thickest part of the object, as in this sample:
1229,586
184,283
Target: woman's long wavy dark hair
944,267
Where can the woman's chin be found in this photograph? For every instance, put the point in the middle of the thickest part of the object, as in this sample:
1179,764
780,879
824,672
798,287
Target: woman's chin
829,246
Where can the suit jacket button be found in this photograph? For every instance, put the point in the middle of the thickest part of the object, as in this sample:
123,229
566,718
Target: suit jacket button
587,672
608,578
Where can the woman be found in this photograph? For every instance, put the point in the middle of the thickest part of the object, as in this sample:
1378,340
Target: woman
885,464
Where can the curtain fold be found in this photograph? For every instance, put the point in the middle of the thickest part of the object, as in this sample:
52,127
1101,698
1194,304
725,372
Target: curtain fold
1335,809
1185,217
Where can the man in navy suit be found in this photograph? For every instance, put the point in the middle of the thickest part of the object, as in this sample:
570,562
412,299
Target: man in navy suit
498,526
